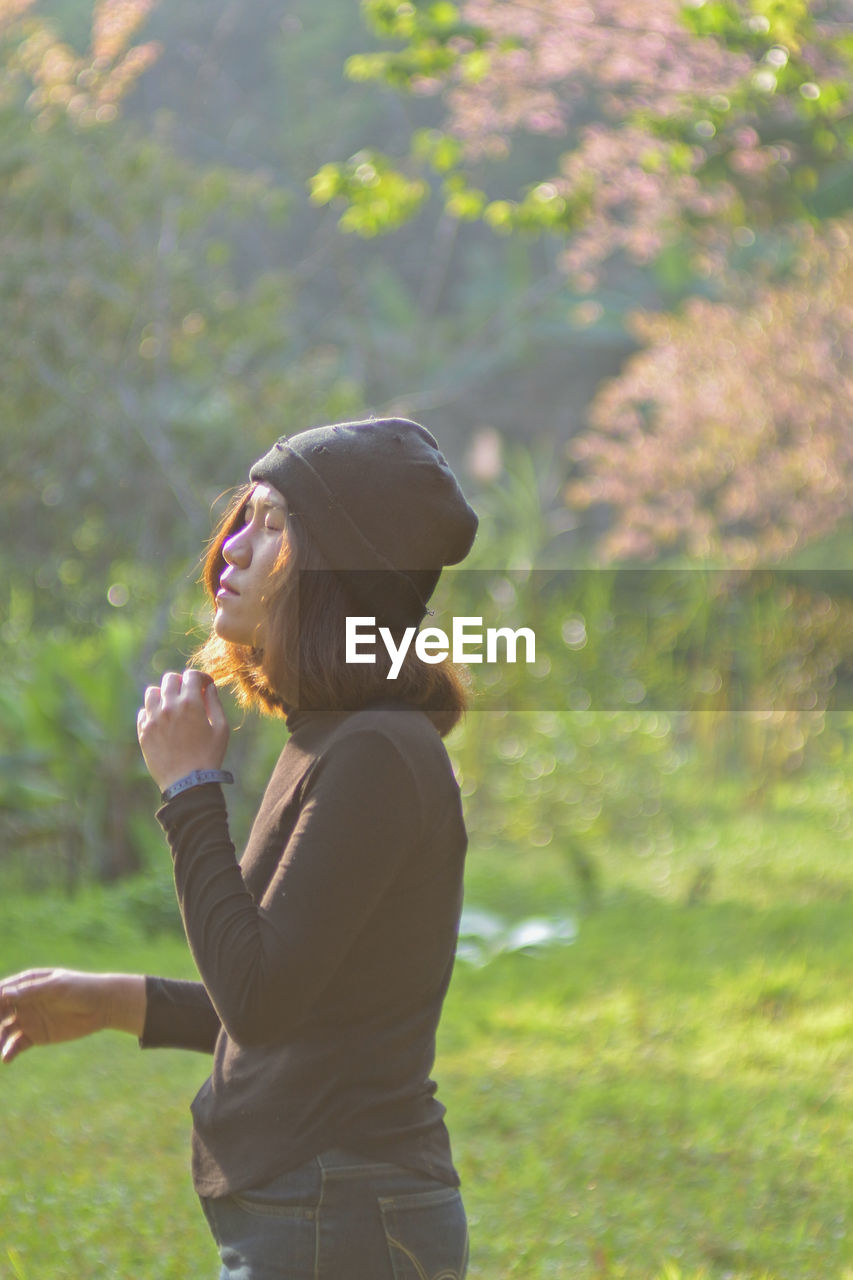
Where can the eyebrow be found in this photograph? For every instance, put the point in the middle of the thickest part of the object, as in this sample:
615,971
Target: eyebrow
254,501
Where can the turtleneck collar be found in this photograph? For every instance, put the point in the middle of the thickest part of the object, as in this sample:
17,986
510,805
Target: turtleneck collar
297,718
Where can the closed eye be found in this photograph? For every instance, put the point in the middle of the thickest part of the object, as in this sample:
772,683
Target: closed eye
271,520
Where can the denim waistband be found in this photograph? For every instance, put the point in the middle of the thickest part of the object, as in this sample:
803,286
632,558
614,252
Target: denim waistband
345,1159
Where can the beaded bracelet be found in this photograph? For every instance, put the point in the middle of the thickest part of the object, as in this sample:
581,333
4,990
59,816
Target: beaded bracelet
196,779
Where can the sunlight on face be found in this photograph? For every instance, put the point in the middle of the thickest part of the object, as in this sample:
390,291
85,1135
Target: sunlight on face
251,554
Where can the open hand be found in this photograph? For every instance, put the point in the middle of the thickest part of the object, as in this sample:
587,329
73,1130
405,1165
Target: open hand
181,727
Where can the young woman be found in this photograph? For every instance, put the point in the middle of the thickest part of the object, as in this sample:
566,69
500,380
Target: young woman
319,1147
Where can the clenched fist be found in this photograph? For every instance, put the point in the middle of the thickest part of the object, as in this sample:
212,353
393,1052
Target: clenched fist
181,727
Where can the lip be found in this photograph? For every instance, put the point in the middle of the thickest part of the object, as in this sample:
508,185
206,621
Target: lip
225,590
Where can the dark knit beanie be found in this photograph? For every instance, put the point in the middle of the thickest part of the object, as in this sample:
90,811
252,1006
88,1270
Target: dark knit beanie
382,506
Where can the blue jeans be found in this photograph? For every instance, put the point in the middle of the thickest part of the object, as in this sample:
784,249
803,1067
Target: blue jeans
342,1217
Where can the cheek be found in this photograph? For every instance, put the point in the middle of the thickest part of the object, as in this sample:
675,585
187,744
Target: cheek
267,559
263,577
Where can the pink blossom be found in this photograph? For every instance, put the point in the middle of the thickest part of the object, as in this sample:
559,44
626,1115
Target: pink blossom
729,436
86,88
617,58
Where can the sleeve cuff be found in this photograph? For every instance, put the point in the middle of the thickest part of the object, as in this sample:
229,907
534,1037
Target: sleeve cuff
188,804
178,1015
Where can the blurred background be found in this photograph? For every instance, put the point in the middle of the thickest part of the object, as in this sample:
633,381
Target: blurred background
604,251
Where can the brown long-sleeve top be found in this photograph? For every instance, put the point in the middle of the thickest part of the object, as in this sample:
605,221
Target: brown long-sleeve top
325,952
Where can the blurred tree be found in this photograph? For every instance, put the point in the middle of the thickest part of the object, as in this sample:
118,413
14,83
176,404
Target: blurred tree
73,785
708,145
728,437
87,87
141,371
701,120
171,300
443,320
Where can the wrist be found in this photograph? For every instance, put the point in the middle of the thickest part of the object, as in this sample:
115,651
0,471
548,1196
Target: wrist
195,778
124,1002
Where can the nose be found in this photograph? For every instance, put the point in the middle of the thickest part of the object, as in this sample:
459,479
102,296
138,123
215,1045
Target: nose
237,549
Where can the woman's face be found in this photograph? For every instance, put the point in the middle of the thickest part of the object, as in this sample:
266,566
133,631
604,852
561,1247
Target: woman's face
250,555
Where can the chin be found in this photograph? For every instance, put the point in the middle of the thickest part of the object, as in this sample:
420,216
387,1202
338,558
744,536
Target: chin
233,632
227,631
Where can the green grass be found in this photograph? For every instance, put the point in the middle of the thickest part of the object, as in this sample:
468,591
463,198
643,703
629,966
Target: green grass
668,1098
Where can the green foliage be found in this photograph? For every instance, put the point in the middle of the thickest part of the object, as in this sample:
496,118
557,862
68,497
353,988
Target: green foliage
542,208
798,90
143,367
646,685
753,27
439,150
796,93
378,198
76,801
543,762
73,779
437,41
167,315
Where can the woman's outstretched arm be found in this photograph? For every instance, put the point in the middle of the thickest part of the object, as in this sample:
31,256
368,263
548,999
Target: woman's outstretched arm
49,1006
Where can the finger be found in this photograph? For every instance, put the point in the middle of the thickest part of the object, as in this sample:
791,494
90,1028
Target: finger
21,998
15,1044
26,975
9,1001
9,1026
30,1017
170,688
214,708
151,700
193,682
13,989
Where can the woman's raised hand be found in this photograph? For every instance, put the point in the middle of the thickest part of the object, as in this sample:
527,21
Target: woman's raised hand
49,1006
181,727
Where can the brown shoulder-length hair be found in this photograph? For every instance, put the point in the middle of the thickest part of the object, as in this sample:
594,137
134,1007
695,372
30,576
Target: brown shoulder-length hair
303,663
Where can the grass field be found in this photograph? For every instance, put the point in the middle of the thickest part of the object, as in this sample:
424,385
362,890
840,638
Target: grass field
671,1096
